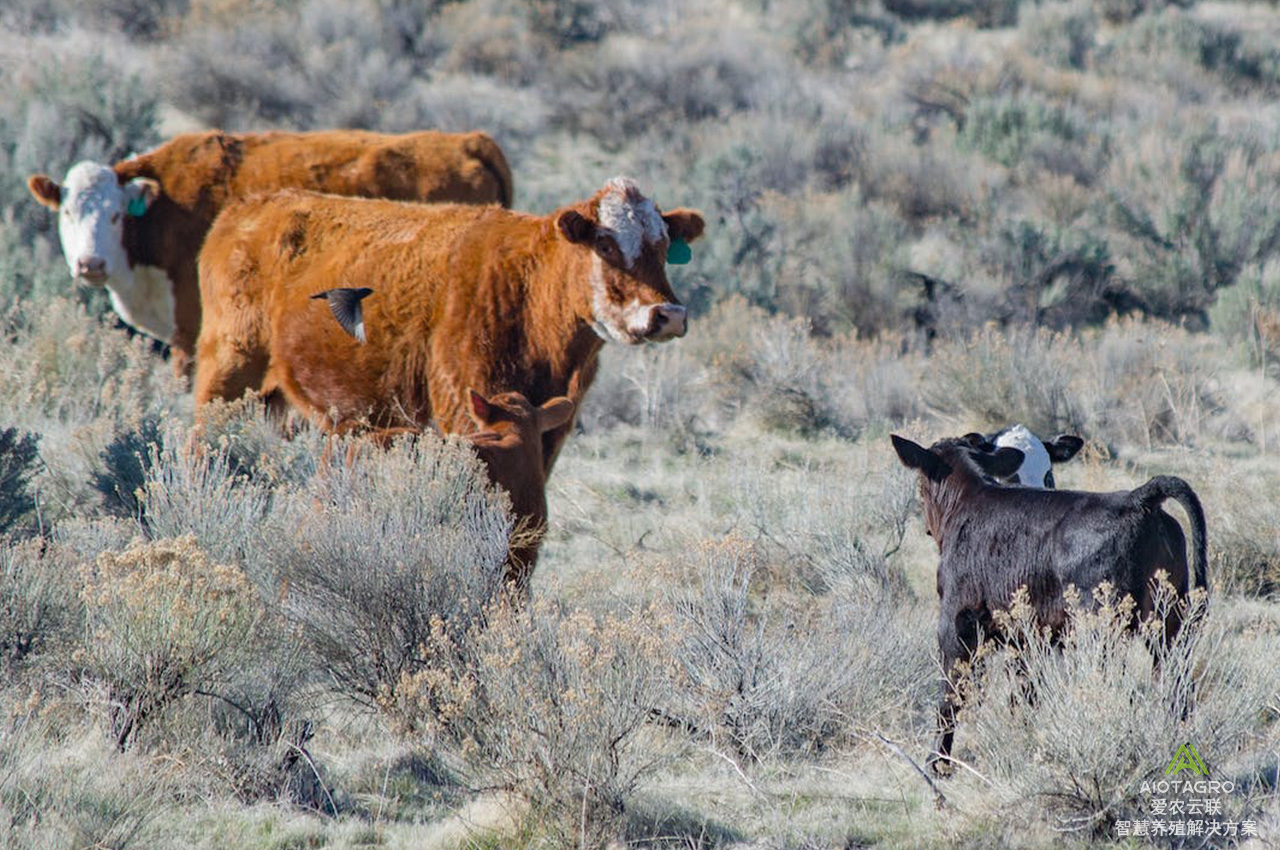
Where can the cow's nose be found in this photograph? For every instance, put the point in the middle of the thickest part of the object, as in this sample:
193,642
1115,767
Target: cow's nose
667,321
91,268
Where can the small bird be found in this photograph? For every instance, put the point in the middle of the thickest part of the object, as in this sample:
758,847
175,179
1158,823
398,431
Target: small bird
344,302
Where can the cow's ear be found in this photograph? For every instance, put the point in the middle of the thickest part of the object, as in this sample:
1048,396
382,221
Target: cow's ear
684,224
916,456
45,190
1001,463
1063,447
554,413
576,227
481,409
140,193
979,441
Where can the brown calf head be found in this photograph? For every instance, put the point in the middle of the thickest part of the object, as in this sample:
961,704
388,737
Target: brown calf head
628,237
508,420
946,467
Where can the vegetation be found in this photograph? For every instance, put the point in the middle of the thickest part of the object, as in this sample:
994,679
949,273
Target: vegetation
924,216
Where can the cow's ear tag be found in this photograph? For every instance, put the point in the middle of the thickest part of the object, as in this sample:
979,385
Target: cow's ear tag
679,252
137,206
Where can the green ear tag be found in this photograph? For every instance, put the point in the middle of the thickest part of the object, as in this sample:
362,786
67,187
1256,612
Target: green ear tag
137,206
679,252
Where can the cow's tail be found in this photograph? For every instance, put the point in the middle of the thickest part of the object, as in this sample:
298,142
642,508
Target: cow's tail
486,150
1164,487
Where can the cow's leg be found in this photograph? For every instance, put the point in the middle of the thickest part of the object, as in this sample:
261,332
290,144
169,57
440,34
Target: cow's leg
182,356
225,371
958,638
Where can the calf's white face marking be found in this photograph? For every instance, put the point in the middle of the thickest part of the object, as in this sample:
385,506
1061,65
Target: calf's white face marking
1035,467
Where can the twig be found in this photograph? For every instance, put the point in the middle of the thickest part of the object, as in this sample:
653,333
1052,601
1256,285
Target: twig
738,770
939,799
302,751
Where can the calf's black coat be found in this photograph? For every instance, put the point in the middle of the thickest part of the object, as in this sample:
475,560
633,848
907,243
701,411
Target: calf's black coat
993,539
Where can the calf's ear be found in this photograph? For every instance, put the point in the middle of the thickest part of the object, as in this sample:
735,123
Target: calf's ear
481,409
44,190
576,227
684,224
554,413
1063,447
916,456
1001,463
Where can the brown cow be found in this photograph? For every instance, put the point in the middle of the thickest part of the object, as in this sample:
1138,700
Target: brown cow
136,227
465,297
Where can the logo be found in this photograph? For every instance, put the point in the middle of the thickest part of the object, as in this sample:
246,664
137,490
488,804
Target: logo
1186,758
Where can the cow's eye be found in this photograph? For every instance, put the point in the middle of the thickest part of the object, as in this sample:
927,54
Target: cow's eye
115,218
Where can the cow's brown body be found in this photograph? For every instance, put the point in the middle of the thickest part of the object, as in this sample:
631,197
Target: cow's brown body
462,297
199,174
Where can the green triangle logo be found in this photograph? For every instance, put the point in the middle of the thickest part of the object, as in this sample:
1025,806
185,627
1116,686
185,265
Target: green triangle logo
1186,758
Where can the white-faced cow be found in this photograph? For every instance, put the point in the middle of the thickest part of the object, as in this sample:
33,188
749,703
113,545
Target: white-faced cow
136,227
1038,456
994,539
465,297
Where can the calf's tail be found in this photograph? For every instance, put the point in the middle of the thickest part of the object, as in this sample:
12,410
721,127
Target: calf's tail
1164,487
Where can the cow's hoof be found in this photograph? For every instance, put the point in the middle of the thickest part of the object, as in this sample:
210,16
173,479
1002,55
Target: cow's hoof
940,765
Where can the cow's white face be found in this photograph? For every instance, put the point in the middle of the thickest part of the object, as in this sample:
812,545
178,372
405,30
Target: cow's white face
1036,469
92,206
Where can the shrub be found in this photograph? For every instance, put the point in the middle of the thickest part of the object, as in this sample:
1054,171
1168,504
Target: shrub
372,560
995,378
625,88
773,677
553,704
19,461
1035,730
1063,33
1191,231
35,601
162,621
1009,129
195,490
124,469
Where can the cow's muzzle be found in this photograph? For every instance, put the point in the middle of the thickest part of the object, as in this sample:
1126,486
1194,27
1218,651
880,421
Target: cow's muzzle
91,270
666,321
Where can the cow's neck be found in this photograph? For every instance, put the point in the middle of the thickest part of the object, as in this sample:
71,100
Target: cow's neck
548,306
948,501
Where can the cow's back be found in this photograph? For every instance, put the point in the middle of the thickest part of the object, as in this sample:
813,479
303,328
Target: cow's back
1046,540
265,258
205,171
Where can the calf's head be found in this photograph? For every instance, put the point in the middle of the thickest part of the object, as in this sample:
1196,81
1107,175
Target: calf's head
948,469
92,205
508,421
1039,455
628,239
